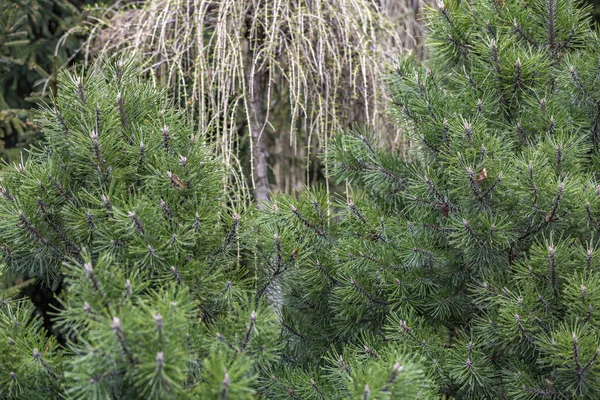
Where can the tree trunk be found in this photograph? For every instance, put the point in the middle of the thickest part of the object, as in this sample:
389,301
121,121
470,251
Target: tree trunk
257,81
260,148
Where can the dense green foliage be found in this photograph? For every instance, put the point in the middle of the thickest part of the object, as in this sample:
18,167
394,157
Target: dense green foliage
126,206
471,271
125,209
482,254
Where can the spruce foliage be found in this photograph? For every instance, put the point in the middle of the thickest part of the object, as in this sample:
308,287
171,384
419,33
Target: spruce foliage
480,254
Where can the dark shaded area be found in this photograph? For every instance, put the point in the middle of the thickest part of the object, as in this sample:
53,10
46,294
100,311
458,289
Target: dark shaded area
30,54
46,303
596,10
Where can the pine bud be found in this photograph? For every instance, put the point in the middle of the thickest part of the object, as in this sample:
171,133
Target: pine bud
106,202
158,320
116,324
119,71
197,223
13,376
4,193
121,107
520,131
88,269
396,369
182,161
552,124
225,383
469,363
98,118
36,354
127,288
142,152
80,90
468,131
86,307
136,221
366,392
166,210
160,359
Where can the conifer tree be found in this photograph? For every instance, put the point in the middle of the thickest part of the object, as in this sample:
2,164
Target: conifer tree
124,209
481,254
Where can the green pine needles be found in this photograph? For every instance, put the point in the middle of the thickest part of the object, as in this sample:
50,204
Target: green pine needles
124,207
482,254
123,215
470,272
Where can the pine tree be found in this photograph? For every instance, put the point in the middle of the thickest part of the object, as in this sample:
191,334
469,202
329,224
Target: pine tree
480,254
124,209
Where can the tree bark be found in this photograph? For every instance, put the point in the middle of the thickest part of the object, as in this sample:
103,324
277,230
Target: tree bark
257,81
260,148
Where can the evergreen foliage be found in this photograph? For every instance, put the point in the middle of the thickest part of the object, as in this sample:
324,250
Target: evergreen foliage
36,38
124,208
481,255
